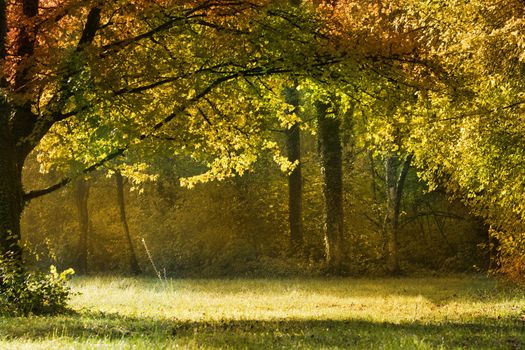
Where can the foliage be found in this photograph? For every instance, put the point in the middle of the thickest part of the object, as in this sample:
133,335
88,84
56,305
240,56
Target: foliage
25,293
469,137
510,254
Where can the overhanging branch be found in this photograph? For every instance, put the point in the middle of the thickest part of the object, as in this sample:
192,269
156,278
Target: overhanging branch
253,72
64,182
39,193
120,151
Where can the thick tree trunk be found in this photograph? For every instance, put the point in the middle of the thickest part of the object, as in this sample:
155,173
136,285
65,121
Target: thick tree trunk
11,194
133,261
20,129
394,191
11,132
330,154
295,180
81,191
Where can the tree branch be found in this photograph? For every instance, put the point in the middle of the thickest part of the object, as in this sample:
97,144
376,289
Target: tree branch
120,151
170,23
42,125
64,182
90,29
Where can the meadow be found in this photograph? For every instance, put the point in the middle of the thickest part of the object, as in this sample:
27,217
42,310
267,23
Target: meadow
329,313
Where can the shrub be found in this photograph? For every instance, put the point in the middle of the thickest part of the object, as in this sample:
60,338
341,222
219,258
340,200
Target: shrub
32,292
510,249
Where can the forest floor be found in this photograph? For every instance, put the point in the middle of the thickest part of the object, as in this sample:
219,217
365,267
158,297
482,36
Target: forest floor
408,313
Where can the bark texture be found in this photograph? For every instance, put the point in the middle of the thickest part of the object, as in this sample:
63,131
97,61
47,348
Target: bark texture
395,176
11,192
330,155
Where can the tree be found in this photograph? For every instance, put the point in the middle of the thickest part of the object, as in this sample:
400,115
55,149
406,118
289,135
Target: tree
395,175
133,261
295,180
20,126
81,194
470,139
330,155
384,41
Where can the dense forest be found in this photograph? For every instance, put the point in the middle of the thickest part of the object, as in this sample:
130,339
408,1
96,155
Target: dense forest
204,138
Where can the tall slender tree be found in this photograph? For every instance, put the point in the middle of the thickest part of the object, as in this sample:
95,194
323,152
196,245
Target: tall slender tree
81,190
295,181
133,261
331,162
395,175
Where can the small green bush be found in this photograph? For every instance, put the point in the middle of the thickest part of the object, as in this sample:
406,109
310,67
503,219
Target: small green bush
39,293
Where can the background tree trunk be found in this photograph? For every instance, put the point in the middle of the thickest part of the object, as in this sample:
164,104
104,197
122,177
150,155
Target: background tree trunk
295,180
394,192
133,261
391,215
330,154
81,193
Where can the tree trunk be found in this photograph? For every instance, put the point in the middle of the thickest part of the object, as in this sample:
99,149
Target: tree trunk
373,182
330,154
133,262
11,157
11,193
81,192
295,186
394,192
391,215
20,129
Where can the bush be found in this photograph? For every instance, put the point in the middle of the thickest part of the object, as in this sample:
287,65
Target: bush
510,250
39,293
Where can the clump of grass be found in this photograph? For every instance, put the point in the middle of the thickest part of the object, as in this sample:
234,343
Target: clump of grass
425,313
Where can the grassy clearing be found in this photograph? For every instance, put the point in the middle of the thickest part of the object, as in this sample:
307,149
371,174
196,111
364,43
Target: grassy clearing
412,313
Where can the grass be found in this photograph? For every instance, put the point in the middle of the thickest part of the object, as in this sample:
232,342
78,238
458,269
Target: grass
409,313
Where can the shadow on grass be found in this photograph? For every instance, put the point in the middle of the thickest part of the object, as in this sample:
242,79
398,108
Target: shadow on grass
287,333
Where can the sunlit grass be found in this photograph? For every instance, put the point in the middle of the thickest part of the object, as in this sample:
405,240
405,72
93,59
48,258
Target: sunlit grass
461,312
